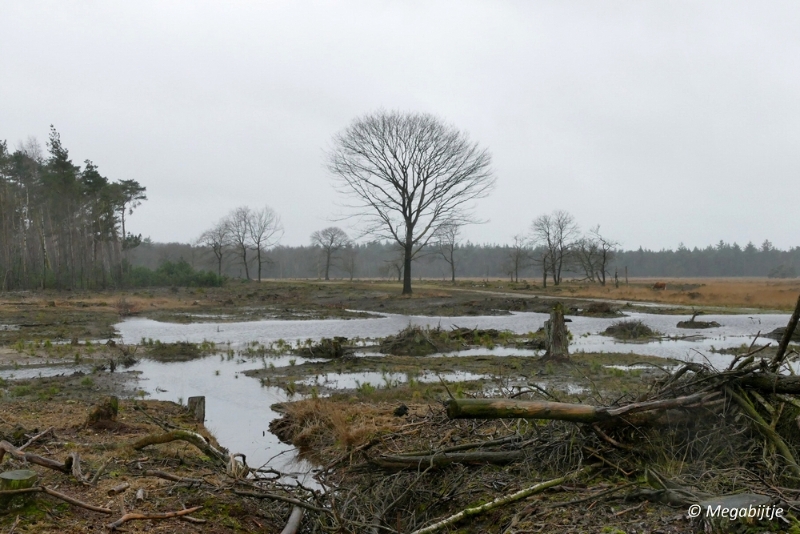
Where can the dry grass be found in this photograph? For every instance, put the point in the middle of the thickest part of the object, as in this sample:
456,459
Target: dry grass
319,424
763,293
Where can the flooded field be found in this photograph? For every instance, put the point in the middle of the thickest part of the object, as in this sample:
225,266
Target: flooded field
238,407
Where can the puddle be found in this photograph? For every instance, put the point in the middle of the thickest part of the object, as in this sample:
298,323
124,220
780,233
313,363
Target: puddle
237,407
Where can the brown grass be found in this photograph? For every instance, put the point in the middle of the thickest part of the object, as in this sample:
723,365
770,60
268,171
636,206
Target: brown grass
736,292
762,293
320,424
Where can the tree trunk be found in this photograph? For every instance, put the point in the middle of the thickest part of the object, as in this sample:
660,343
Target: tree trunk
407,267
557,337
244,260
327,264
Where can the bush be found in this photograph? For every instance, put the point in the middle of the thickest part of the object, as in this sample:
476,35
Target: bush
172,274
630,330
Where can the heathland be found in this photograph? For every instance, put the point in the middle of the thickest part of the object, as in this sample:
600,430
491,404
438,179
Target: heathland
376,445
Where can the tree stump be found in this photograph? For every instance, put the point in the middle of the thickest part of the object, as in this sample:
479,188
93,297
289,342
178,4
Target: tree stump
556,335
16,480
197,407
104,415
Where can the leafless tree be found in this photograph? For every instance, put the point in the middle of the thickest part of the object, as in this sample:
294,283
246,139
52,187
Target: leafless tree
556,233
595,252
238,225
264,230
518,257
447,240
216,238
331,240
408,174
349,259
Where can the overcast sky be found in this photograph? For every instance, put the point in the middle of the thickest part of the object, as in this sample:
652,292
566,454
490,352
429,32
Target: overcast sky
664,122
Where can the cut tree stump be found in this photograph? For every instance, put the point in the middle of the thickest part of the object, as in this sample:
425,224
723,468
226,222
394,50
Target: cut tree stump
556,335
197,407
15,480
104,415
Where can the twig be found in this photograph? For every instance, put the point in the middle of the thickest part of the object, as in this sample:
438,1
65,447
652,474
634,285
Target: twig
99,472
496,503
171,477
593,496
281,498
35,438
133,516
14,526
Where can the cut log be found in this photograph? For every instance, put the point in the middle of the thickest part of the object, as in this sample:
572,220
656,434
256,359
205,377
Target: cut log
576,413
516,409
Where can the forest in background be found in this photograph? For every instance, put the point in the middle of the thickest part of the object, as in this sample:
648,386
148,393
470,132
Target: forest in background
383,260
63,226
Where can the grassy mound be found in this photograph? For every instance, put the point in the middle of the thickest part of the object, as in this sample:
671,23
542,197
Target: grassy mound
632,329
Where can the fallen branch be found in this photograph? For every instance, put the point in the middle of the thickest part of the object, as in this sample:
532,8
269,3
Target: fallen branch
35,438
281,498
787,336
442,460
576,413
182,435
293,524
466,446
171,477
58,495
99,472
133,516
8,448
500,501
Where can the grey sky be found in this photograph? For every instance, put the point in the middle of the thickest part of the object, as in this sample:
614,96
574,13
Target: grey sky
661,121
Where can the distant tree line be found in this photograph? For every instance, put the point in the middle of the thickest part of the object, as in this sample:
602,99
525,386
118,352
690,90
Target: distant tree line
520,260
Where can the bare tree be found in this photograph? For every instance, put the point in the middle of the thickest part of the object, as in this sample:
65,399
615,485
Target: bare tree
238,225
518,257
331,240
216,238
447,239
349,259
556,233
408,174
604,253
264,230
